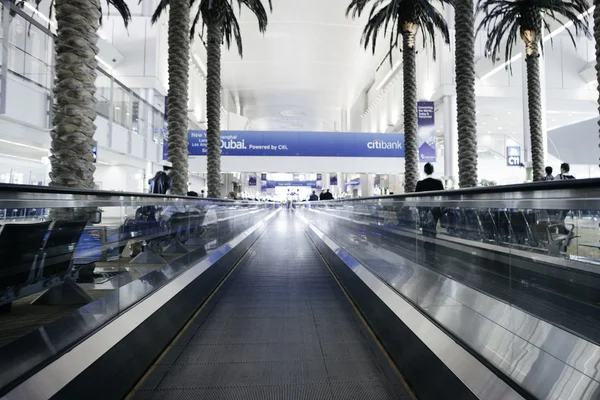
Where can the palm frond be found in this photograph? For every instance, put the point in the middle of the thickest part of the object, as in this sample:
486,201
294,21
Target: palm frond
122,8
389,17
505,20
222,12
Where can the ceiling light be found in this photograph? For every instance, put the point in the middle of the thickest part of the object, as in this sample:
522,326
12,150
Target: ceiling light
496,118
20,158
509,113
23,145
489,131
499,128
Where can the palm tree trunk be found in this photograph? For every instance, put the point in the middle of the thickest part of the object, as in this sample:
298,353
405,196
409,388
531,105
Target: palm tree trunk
73,130
177,98
464,21
597,39
411,150
213,109
534,103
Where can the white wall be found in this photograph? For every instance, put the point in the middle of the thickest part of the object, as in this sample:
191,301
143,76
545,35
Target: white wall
121,178
302,164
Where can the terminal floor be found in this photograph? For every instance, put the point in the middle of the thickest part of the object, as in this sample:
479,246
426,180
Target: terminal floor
280,327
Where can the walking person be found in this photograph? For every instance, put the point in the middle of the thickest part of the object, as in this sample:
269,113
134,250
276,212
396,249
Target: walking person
548,176
429,216
564,173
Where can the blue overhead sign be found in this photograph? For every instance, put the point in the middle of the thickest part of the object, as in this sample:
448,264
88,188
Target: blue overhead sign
301,144
513,156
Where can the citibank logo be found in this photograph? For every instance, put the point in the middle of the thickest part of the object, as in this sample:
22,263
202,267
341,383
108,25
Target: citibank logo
379,144
233,144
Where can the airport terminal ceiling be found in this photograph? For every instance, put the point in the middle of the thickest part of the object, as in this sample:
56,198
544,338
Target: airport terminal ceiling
309,66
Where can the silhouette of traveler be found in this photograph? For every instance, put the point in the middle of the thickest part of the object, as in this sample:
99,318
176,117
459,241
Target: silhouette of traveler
322,195
313,196
564,173
429,216
327,195
429,184
548,176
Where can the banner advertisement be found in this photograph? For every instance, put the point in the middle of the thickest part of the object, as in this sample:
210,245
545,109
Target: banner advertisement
333,180
165,152
274,184
252,180
263,177
301,144
426,130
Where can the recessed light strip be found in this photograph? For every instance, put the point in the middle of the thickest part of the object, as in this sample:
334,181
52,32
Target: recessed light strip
23,145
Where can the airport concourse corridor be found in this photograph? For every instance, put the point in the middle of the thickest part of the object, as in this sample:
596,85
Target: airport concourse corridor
280,327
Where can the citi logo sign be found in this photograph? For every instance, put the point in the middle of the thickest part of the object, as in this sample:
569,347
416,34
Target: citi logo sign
233,144
379,144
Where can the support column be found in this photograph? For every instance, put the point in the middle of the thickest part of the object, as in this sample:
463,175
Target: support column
450,142
367,181
325,181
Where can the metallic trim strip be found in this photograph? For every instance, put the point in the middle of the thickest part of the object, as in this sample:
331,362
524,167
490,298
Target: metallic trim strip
477,377
50,380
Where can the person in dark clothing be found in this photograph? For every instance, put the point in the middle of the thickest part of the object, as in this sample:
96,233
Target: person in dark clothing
429,216
564,173
313,196
161,183
192,194
429,184
548,176
322,195
327,195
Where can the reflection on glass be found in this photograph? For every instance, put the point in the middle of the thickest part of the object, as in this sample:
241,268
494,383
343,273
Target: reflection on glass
504,280
122,106
70,270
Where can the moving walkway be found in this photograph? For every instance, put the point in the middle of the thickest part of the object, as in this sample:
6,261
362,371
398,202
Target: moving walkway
340,299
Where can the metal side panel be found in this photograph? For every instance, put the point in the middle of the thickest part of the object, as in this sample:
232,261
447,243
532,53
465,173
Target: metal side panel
434,365
111,361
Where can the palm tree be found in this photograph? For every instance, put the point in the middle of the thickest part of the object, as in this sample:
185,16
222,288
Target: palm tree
404,18
73,129
597,41
464,61
503,21
220,21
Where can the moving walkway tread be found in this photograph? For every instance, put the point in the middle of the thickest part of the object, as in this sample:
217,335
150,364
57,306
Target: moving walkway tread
280,327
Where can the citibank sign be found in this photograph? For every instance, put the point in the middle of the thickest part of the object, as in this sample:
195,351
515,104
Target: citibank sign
379,144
